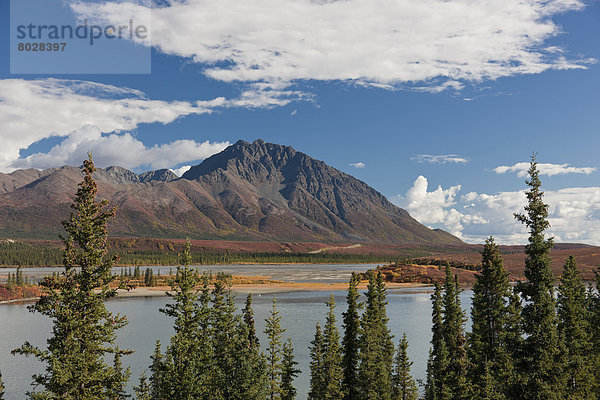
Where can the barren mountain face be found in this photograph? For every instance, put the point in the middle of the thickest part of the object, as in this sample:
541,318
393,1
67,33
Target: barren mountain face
249,191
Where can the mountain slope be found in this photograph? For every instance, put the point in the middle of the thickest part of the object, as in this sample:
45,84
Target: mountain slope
249,191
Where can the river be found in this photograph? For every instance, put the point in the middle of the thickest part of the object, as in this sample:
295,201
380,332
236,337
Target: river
409,311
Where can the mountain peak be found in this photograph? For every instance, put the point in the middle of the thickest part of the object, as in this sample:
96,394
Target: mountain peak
255,190
260,183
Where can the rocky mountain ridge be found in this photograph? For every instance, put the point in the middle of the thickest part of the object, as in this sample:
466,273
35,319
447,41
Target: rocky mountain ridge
249,191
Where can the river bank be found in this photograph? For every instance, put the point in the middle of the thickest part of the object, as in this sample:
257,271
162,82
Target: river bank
254,289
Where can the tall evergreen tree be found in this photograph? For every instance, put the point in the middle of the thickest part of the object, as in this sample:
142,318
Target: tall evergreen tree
436,388
594,314
541,353
332,356
19,281
288,371
1,387
248,314
116,389
274,333
454,338
350,341
317,376
224,337
376,346
575,331
184,357
252,364
489,348
404,386
430,386
239,369
158,377
143,391
84,331
157,368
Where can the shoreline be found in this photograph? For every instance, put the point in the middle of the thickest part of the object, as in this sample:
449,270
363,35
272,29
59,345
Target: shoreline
258,289
202,265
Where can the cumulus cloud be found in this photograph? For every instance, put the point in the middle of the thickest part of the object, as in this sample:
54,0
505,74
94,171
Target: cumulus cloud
33,110
574,213
119,149
358,165
429,45
441,159
545,169
435,207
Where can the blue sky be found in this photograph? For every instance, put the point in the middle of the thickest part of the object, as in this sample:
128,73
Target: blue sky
490,119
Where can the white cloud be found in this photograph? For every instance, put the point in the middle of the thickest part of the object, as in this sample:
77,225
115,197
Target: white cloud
123,150
33,110
545,169
358,165
181,170
430,45
441,159
574,213
435,207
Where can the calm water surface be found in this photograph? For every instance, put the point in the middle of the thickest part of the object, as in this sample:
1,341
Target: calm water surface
329,273
409,311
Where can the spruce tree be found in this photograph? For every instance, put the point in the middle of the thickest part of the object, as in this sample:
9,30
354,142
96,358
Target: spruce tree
288,371
251,362
454,338
248,314
489,349
116,390
224,331
350,341
376,346
333,372
19,281
317,376
541,354
575,331
183,359
84,331
143,390
404,386
158,386
436,388
430,385
594,325
1,387
274,333
238,369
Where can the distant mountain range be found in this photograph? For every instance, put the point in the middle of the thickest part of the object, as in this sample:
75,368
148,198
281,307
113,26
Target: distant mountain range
249,191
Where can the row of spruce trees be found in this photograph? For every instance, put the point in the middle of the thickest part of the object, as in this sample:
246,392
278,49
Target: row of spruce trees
215,352
526,342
